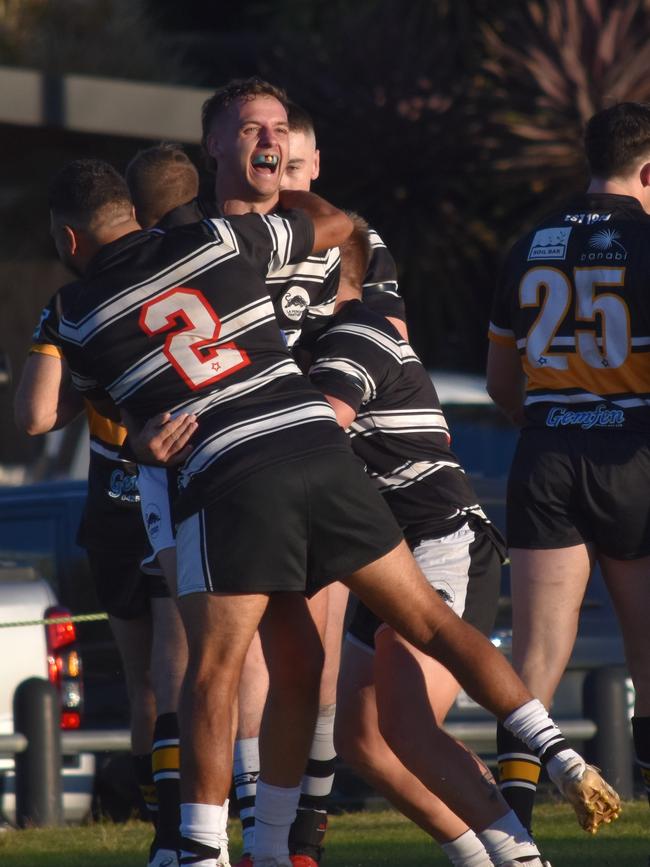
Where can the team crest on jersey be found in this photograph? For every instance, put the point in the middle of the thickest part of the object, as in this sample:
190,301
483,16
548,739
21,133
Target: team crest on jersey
549,244
294,302
153,520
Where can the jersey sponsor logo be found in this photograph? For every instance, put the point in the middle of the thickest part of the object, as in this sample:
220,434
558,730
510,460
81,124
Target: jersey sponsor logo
124,487
588,219
585,419
153,520
294,302
549,244
605,247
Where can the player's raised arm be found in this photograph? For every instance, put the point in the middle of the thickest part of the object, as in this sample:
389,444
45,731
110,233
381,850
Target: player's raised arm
332,227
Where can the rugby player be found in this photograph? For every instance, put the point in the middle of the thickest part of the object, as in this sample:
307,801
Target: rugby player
568,361
393,698
142,616
236,106
182,321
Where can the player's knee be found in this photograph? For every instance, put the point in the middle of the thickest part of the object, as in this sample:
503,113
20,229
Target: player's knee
352,742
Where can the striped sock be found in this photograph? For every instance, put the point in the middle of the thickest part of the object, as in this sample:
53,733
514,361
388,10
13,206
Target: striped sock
246,770
308,830
519,771
532,724
165,761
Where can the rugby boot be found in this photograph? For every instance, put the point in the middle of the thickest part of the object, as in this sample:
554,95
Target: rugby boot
163,858
594,801
303,861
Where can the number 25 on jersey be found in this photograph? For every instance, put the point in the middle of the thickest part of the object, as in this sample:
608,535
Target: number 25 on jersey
610,350
192,347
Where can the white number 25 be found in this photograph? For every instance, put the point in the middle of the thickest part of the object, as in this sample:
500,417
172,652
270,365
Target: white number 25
615,344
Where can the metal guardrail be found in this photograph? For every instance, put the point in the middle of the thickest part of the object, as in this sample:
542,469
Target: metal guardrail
39,744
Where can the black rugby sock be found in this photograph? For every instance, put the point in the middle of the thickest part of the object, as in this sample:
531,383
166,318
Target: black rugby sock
519,771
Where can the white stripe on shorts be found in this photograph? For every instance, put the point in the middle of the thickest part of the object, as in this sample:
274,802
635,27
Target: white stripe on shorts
191,556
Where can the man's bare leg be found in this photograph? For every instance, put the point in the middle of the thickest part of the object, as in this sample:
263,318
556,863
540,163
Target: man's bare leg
547,588
294,654
219,631
628,582
361,744
397,591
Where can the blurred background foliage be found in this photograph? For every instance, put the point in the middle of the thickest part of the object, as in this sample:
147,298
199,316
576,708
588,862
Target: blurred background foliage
452,125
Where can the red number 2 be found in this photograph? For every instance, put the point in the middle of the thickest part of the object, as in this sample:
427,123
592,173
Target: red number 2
191,348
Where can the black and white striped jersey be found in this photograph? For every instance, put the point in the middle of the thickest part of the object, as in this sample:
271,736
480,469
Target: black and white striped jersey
380,286
181,321
303,292
400,431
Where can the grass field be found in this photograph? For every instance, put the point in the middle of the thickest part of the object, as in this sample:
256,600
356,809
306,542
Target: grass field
354,840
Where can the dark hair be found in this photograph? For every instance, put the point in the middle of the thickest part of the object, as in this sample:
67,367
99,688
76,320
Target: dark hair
299,119
223,98
616,138
160,179
83,188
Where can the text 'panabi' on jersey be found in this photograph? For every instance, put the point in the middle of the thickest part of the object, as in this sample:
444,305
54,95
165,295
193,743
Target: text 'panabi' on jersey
574,297
400,431
181,321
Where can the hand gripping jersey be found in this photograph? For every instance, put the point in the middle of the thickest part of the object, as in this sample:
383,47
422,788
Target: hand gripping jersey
181,321
573,297
400,431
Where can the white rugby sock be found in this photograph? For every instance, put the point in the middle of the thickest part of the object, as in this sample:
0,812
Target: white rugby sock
275,810
467,851
246,770
532,724
507,839
206,824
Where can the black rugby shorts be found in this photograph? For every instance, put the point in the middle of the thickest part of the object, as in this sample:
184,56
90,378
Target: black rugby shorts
569,487
292,526
122,588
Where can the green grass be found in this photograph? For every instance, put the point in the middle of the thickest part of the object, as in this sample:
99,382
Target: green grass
356,840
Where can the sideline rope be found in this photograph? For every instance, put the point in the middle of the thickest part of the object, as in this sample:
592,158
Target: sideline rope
47,621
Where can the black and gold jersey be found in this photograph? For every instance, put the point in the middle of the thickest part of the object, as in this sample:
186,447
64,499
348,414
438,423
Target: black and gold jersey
573,298
400,430
181,321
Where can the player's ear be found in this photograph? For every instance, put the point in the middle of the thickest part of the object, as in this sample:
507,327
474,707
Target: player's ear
315,171
644,175
212,145
70,239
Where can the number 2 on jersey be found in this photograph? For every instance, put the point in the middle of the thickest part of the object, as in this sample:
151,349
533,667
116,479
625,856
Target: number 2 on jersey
613,348
191,348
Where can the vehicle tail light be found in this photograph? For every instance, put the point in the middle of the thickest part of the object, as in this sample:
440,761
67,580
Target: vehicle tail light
64,665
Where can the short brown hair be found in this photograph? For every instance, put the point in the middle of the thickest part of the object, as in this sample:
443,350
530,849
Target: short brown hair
160,179
616,138
300,120
223,98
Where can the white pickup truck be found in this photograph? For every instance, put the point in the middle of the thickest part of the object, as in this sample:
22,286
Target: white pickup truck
47,651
